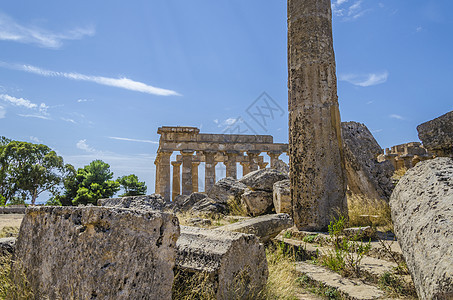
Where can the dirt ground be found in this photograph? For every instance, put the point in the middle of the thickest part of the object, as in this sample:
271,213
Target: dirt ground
10,220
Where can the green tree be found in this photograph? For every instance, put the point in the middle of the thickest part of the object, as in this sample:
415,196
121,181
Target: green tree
30,169
132,186
89,184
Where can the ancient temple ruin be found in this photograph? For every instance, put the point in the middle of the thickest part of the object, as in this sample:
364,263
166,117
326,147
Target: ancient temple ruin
195,148
406,155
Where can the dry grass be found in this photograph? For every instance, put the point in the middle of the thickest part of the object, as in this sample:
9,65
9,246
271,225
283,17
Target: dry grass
13,285
398,174
236,208
369,212
9,231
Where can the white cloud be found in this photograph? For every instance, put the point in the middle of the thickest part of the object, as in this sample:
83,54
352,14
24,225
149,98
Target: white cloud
365,80
132,140
34,116
84,100
82,145
10,30
342,8
69,120
419,29
35,139
43,108
18,101
2,112
395,116
230,121
124,83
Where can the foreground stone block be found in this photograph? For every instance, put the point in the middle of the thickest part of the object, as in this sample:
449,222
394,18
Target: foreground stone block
318,179
282,197
98,252
257,202
235,263
422,215
264,227
225,189
437,135
148,202
263,180
366,176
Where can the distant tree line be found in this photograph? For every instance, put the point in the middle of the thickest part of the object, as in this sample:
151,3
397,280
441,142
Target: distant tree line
27,170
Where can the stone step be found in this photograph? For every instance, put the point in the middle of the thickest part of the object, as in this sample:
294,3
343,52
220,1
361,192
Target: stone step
372,267
348,288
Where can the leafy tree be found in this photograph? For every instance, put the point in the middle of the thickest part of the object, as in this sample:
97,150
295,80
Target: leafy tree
3,170
132,186
89,184
30,169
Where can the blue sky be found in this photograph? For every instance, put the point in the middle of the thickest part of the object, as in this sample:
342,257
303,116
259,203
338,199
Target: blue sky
95,79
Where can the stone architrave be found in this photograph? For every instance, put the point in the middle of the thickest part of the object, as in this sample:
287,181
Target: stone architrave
209,169
97,253
176,189
195,177
318,179
187,183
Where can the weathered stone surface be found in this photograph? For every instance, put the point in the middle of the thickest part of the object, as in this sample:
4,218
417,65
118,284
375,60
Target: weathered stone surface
263,180
7,245
366,176
98,252
188,202
235,262
282,197
148,202
257,202
437,135
210,207
422,215
225,189
264,227
318,179
281,166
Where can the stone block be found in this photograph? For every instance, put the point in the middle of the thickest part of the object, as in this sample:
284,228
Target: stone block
282,197
263,180
422,215
257,203
235,263
264,227
148,202
98,252
225,189
437,135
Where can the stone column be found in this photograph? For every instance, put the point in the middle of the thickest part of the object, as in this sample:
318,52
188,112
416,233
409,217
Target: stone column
195,177
263,165
274,155
209,173
245,168
187,172
318,178
253,159
176,190
164,174
231,168
157,179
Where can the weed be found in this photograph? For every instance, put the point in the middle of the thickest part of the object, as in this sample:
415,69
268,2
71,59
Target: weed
363,211
13,284
396,286
236,208
309,238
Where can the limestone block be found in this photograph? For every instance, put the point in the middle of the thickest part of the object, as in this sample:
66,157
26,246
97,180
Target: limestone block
282,197
209,207
148,202
98,252
235,262
422,215
437,135
366,176
7,245
281,166
263,180
264,227
189,201
225,189
257,203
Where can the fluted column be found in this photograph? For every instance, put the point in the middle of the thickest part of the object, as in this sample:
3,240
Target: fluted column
253,159
176,189
164,174
187,171
209,173
245,168
317,173
157,179
195,177
274,155
231,168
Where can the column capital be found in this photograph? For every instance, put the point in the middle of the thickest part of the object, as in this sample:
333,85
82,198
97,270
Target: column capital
176,163
187,152
253,152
